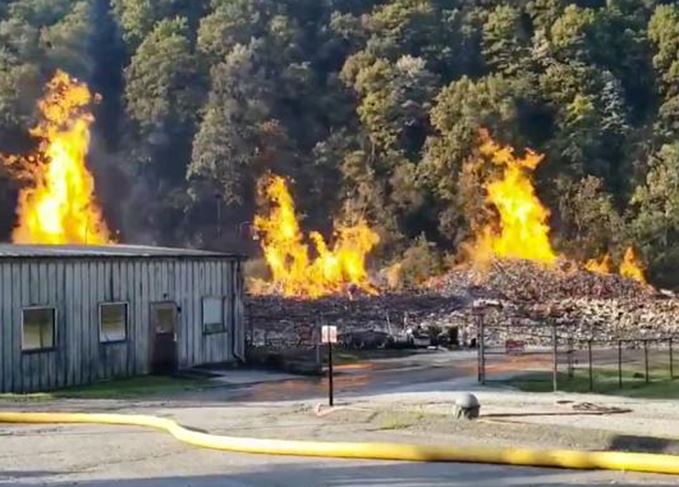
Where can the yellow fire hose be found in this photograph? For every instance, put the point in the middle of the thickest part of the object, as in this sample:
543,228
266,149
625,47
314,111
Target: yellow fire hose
572,459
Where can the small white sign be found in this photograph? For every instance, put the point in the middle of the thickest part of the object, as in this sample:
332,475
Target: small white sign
329,334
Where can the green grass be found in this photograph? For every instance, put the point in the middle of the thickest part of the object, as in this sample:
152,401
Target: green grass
132,388
605,382
34,397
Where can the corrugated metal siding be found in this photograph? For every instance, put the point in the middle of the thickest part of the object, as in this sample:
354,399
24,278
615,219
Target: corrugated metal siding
75,288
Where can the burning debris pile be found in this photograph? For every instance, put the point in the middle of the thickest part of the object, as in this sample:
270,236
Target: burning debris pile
522,281
509,262
515,265
294,272
315,284
592,305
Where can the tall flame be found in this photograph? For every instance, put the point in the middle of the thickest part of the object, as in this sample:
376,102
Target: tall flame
58,205
294,271
523,231
631,266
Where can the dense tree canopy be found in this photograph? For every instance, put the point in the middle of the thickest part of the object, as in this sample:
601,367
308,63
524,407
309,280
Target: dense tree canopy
372,106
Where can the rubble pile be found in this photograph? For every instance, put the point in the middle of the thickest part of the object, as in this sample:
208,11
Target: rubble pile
280,322
582,304
524,281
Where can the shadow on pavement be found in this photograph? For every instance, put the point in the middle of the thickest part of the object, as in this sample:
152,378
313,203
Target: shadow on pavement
334,474
6,475
645,444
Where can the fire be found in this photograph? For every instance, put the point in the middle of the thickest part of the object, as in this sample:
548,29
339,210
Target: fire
523,231
58,205
631,266
603,266
294,272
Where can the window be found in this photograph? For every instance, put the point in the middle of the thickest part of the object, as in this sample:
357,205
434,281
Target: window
164,318
38,329
213,315
112,322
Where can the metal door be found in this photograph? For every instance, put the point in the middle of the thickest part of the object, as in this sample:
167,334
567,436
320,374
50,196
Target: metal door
163,338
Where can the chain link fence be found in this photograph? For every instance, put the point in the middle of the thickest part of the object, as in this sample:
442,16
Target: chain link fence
552,354
603,365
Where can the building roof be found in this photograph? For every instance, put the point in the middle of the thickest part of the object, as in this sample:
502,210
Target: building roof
106,251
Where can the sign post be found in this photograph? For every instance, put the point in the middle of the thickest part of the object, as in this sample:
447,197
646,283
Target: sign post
329,336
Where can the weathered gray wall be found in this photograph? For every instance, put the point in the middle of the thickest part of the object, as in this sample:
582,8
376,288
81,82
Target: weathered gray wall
75,288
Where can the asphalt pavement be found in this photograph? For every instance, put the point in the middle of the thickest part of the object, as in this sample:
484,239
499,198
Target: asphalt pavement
100,456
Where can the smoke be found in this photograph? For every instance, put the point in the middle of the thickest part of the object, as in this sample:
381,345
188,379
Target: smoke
143,208
132,201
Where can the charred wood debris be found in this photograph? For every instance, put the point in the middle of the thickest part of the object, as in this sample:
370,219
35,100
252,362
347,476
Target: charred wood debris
513,297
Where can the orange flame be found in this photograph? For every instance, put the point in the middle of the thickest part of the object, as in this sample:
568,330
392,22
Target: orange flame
523,225
603,266
58,205
294,272
631,266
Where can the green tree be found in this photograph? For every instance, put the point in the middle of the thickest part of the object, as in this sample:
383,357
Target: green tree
373,107
656,223
663,31
39,12
460,111
163,84
231,23
505,41
570,34
19,72
394,99
589,222
226,146
67,42
138,18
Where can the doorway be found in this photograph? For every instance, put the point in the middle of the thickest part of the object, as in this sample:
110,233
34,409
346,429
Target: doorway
164,338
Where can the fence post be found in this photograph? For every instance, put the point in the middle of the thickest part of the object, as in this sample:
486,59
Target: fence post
589,355
317,354
620,364
671,361
646,360
481,349
555,357
570,357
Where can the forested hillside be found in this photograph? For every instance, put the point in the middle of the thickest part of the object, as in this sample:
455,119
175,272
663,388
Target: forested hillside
371,107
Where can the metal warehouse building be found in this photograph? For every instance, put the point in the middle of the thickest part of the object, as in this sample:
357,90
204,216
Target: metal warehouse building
73,315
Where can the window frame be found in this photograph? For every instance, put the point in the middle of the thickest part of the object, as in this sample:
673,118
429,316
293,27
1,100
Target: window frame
223,328
127,322
55,328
